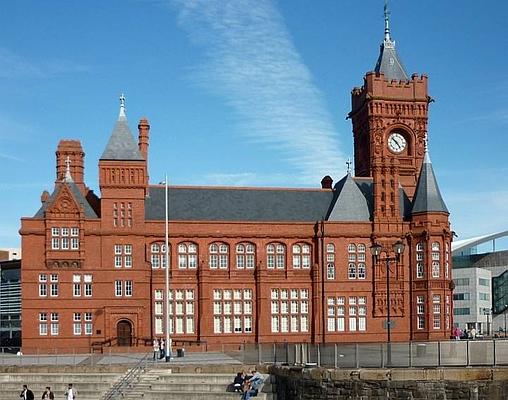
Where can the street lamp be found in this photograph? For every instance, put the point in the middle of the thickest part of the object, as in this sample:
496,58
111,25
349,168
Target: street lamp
505,307
166,256
376,249
486,311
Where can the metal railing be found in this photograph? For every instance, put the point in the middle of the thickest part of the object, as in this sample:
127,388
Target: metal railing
463,353
125,384
70,357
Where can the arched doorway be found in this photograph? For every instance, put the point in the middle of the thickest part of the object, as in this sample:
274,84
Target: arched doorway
124,333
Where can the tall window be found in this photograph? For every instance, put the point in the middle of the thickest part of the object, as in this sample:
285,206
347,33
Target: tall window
276,256
76,285
245,255
187,255
55,327
218,256
43,324
122,214
128,288
447,260
330,261
54,285
436,311
123,255
76,326
420,312
88,323
290,310
65,238
118,288
301,256
436,260
336,314
356,261
158,255
232,311
43,285
88,285
181,311
420,257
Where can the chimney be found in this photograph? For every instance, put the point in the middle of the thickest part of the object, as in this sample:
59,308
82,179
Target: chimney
73,150
326,182
144,130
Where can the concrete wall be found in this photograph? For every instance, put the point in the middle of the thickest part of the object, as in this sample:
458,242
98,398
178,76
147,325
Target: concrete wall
401,384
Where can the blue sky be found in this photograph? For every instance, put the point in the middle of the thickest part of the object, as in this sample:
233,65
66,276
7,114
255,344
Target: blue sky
247,92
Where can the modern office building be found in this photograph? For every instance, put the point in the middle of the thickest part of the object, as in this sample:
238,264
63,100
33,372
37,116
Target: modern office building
248,265
481,284
10,304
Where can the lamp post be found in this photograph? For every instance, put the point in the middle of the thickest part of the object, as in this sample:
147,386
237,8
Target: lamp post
166,256
376,249
487,314
505,307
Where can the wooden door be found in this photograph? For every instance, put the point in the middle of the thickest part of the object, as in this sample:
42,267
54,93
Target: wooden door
124,333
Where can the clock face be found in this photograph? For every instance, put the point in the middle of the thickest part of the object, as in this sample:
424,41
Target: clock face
396,142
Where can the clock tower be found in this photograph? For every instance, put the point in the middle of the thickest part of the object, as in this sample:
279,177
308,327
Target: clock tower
389,116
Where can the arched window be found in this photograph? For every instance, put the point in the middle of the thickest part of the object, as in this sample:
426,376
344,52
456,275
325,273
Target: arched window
351,248
330,259
158,255
436,246
187,255
435,269
361,271
276,256
351,271
420,256
301,256
245,255
218,256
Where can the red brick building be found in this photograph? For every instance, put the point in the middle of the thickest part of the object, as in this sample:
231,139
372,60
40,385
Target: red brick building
246,264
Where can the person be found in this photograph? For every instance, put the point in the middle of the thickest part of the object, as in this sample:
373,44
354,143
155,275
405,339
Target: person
162,348
473,333
70,393
238,382
456,333
48,394
255,382
156,349
26,394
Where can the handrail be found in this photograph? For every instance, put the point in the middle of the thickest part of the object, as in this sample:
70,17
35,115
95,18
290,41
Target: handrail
119,388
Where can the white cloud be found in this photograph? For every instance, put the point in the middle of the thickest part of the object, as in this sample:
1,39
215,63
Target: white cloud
478,213
252,63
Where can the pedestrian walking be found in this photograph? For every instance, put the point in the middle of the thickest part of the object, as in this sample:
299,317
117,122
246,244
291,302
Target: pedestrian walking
70,393
162,347
26,394
48,394
156,349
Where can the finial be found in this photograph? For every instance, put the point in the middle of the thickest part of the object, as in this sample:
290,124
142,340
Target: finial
387,23
122,106
426,158
68,177
348,165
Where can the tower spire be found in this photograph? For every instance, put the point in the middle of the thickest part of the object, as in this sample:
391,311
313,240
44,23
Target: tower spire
122,107
387,23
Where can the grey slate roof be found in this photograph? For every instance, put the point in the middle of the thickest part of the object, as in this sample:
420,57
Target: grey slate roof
349,202
427,197
78,197
121,145
231,204
389,63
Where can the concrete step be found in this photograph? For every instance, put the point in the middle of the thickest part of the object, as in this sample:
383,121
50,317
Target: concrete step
193,396
57,377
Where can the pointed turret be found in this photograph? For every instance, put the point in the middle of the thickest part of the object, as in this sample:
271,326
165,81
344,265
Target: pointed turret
388,62
349,202
427,196
122,145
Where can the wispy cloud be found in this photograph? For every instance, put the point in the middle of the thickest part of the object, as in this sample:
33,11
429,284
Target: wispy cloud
10,157
478,212
252,63
13,66
243,179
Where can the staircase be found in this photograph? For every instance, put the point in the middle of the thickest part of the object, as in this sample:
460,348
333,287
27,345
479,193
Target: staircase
163,384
